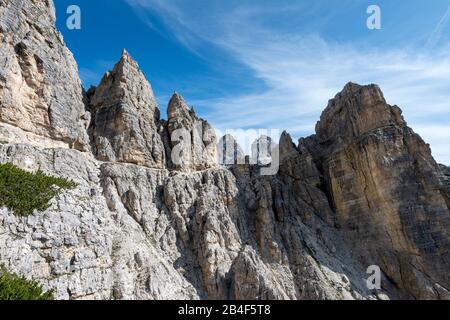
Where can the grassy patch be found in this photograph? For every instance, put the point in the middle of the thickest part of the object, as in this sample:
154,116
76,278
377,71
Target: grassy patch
23,192
13,287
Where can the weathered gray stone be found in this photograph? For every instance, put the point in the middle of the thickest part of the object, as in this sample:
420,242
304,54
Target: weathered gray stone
125,117
40,90
384,185
192,140
364,190
78,247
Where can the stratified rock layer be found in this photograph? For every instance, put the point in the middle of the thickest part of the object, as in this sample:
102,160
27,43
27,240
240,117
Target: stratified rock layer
385,188
154,216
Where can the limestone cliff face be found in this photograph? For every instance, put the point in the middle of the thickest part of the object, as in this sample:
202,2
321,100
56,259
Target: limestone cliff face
386,190
192,140
125,123
142,224
40,91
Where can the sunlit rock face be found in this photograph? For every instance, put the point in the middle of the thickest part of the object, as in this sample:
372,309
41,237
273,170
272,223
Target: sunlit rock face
163,211
40,91
192,140
386,190
125,117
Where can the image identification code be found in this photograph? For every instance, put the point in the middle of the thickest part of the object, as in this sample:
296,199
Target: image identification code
226,309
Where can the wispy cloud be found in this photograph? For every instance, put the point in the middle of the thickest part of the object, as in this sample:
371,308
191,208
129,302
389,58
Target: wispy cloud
299,72
437,32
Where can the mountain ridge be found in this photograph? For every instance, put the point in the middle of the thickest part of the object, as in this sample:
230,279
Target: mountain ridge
148,222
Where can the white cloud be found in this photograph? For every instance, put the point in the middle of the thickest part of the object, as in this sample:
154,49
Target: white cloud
301,72
440,135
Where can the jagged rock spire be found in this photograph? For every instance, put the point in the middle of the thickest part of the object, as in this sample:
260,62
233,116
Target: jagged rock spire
286,146
125,53
351,87
212,234
198,150
125,124
177,107
126,81
357,110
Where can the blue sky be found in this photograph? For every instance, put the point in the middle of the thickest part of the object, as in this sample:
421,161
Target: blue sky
275,64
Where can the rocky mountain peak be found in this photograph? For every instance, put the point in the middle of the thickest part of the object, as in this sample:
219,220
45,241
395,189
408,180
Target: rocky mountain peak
125,55
192,136
357,110
125,117
177,107
374,166
126,66
351,88
364,191
286,146
262,150
126,81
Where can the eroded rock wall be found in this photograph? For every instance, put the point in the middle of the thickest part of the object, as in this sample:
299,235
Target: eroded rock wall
40,91
363,191
125,117
385,189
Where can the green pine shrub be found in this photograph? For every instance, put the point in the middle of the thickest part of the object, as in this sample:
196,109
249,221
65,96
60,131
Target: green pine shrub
23,192
13,287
